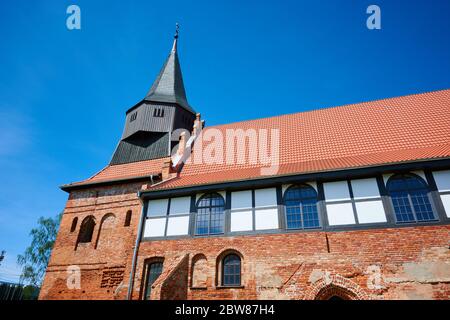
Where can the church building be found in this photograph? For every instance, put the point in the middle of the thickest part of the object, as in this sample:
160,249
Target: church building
349,202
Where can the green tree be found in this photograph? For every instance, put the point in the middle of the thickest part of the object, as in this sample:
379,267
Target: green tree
35,259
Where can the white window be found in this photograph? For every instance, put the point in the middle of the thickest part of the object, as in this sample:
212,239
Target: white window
370,211
266,197
442,179
168,217
446,202
157,208
266,219
241,221
336,191
245,217
365,206
340,214
365,188
180,205
177,226
155,227
241,199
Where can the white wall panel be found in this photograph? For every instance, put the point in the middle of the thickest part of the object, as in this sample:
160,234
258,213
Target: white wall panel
340,214
157,207
266,197
370,211
284,187
446,201
421,174
180,205
335,191
365,188
155,227
442,179
266,219
241,221
241,199
386,177
178,226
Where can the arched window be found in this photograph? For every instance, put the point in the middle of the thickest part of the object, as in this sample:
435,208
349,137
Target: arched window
74,224
154,270
210,214
409,194
199,274
86,230
301,207
106,231
231,270
128,219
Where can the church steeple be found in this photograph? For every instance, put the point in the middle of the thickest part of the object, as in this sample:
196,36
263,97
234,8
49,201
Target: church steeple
150,123
168,86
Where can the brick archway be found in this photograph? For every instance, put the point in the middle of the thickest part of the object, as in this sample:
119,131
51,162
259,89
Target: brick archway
335,285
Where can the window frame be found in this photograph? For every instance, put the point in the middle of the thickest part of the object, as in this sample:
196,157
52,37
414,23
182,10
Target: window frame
209,215
73,226
222,280
285,207
167,215
88,219
128,217
147,269
410,202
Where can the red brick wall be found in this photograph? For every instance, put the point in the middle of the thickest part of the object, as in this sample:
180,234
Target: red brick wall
414,261
104,262
414,264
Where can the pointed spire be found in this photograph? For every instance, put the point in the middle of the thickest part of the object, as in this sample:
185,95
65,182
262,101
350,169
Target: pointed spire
168,86
175,37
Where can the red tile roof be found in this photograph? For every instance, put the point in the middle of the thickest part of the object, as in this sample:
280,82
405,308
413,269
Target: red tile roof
409,128
125,171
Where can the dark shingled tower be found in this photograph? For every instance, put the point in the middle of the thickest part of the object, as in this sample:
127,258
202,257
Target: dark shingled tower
150,123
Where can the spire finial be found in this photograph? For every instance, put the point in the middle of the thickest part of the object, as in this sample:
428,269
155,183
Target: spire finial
177,29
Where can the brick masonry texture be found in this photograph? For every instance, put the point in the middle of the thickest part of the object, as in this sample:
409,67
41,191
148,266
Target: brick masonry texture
414,261
105,261
414,264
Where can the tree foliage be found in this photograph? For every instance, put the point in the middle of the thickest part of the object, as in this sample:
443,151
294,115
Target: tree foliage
35,258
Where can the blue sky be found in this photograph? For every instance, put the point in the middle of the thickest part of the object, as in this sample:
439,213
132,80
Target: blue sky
64,93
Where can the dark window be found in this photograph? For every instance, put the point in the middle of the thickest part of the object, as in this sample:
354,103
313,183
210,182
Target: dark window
210,215
86,230
128,219
74,224
158,112
153,272
409,195
231,270
133,117
301,207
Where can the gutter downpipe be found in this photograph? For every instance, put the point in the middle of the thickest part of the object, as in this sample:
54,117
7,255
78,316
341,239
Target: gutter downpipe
136,245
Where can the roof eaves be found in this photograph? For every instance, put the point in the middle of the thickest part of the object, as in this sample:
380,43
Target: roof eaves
259,178
86,183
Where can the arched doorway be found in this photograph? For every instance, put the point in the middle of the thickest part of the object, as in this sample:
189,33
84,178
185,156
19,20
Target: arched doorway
332,292
335,287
